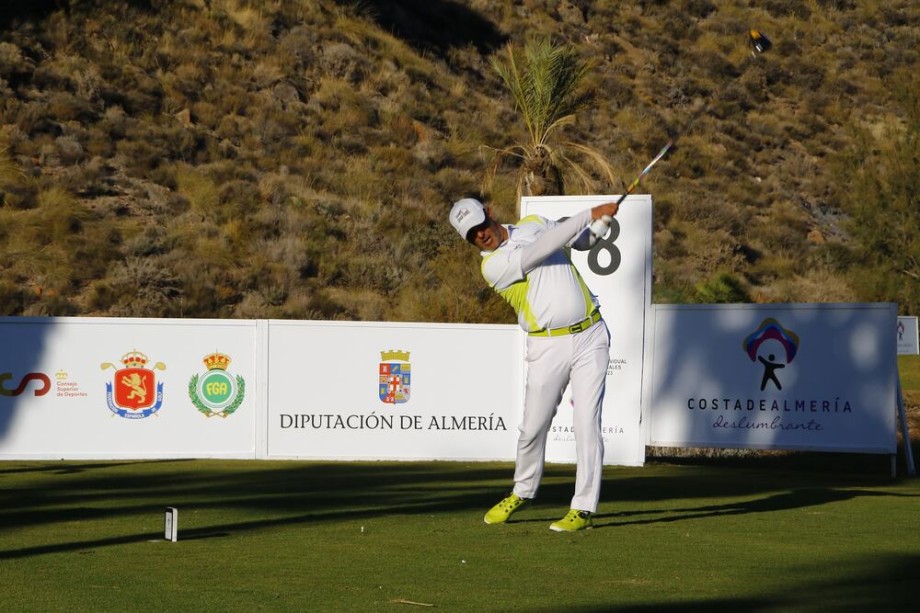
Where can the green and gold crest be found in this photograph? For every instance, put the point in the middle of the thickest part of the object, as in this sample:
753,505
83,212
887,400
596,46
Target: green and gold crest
217,392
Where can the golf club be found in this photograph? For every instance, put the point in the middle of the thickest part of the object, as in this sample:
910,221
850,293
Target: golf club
599,226
759,44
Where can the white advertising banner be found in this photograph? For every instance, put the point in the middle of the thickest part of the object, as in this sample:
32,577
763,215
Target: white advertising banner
819,377
908,341
351,390
73,388
618,270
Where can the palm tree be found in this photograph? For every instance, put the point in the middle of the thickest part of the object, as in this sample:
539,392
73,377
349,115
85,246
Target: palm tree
546,84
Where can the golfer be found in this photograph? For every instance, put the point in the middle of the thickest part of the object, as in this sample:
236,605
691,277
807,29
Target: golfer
567,341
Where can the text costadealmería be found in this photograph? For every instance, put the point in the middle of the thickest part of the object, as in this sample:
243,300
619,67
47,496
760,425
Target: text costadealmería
750,404
766,405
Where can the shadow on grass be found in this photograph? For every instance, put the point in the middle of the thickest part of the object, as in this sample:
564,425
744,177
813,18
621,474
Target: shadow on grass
71,468
277,494
795,499
280,494
884,583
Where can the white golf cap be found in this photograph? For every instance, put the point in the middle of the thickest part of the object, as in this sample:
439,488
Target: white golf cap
466,215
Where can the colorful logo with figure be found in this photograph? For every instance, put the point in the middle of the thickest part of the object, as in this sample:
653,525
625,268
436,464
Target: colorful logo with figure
395,376
134,392
217,392
41,390
762,346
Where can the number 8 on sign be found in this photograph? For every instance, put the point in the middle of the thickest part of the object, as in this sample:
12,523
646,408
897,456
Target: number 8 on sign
605,243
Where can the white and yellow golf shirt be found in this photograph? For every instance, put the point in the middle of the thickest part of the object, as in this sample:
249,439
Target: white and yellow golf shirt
533,273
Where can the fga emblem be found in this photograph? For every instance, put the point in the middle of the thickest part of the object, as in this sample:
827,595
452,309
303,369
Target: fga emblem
395,376
787,340
217,392
134,392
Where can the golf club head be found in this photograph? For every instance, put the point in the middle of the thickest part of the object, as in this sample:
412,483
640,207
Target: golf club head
759,42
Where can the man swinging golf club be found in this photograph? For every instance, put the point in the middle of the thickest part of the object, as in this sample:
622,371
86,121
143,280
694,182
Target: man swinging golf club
527,264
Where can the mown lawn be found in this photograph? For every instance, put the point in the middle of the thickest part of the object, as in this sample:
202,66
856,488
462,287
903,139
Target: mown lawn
801,532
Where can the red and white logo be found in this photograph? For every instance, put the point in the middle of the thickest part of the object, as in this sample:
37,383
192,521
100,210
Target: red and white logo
134,392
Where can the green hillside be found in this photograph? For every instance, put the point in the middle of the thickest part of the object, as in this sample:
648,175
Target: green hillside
296,159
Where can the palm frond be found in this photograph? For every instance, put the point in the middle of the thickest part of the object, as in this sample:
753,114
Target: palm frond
557,124
517,85
545,84
597,159
545,80
497,157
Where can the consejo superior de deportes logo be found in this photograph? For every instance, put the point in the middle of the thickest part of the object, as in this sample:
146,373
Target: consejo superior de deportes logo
40,390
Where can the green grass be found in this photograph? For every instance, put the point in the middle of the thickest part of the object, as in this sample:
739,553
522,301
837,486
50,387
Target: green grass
803,532
909,371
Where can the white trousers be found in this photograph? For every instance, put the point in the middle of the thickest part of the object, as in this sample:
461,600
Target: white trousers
552,363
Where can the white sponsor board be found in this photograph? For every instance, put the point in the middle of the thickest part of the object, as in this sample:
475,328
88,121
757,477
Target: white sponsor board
618,270
908,341
393,391
127,388
817,377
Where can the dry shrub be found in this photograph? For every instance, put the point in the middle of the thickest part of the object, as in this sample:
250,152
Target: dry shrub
722,288
403,130
786,230
452,182
265,74
452,290
342,61
140,157
668,245
236,199
254,306
12,61
712,212
312,142
813,285
342,108
788,8
274,128
293,258
775,264
17,189
50,248
364,303
202,193
299,47
70,150
61,215
135,287
710,251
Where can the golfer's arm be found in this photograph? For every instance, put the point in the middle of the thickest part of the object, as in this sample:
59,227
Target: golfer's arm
553,239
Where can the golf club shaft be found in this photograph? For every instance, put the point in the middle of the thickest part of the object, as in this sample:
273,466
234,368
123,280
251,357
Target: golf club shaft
635,183
760,43
599,226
